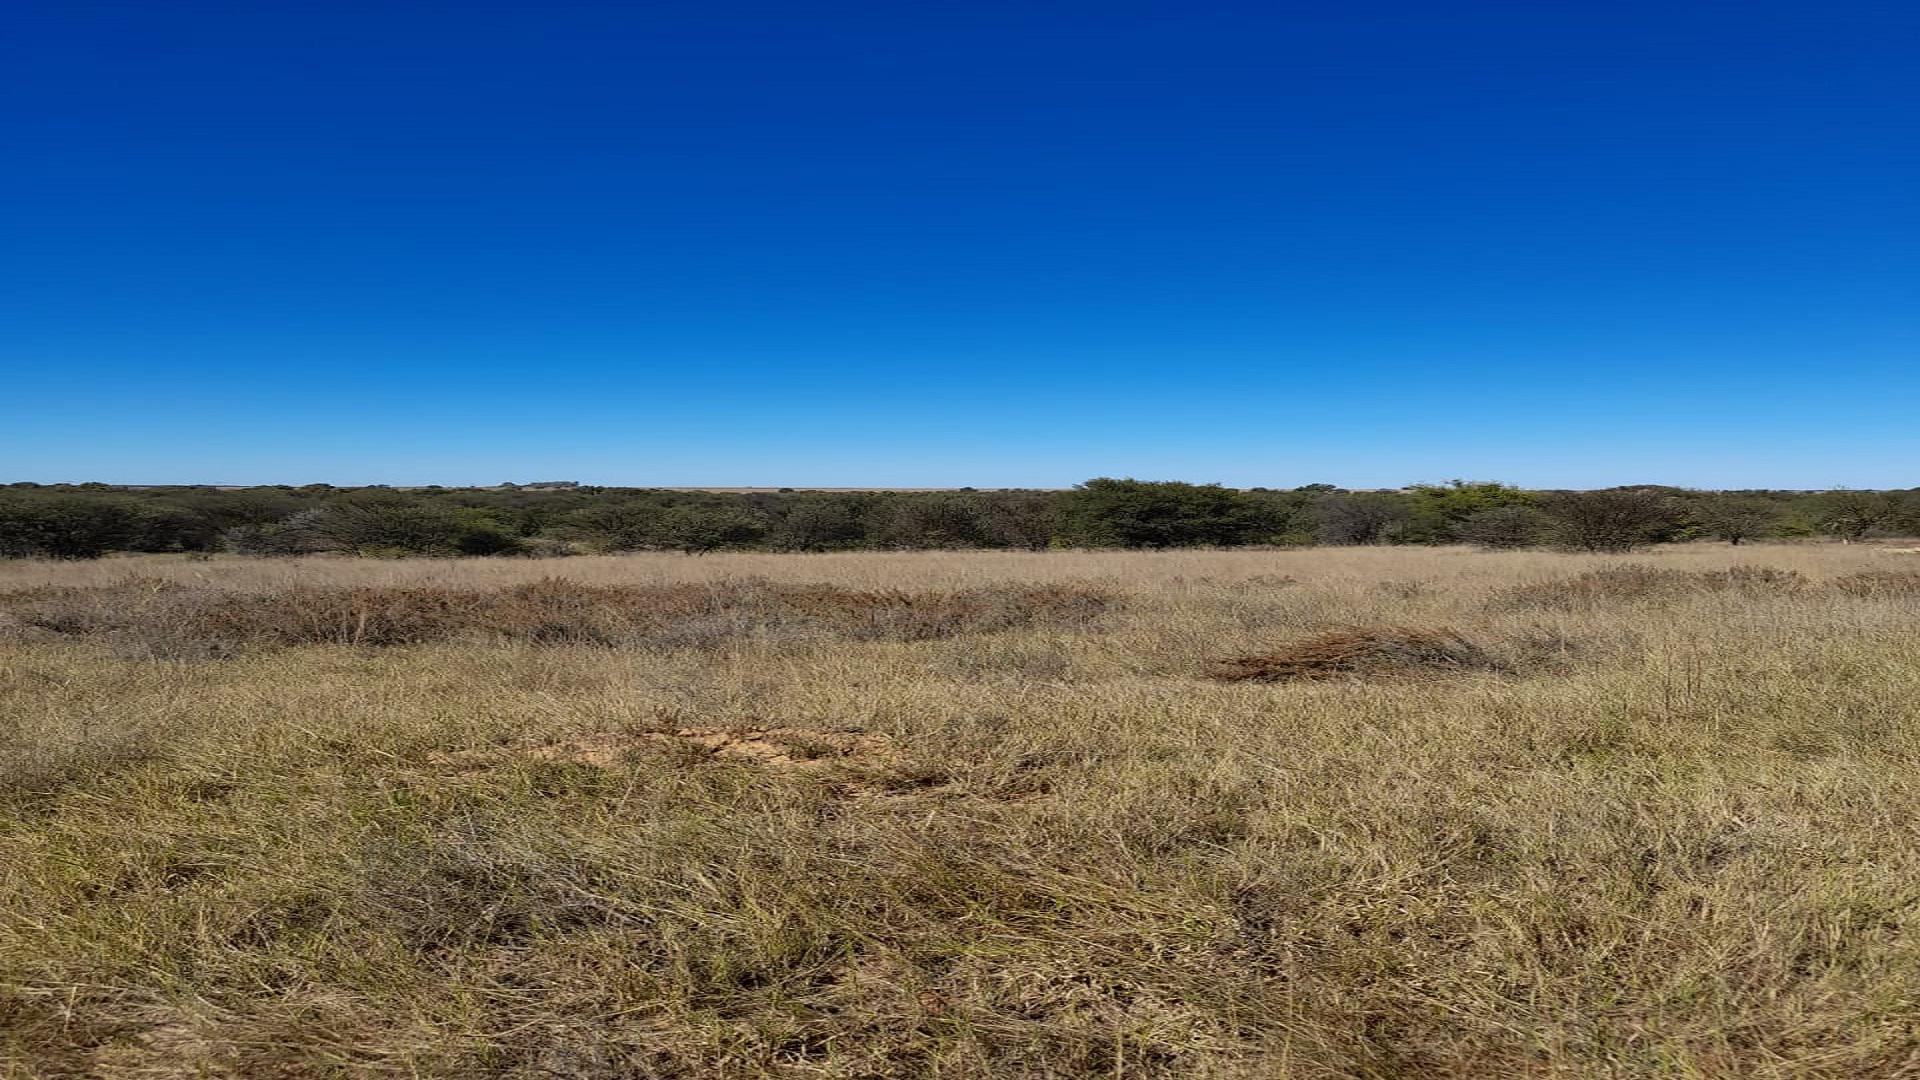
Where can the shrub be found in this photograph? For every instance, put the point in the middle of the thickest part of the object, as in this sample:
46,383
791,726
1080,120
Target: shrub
822,524
1020,519
1358,517
65,526
698,529
372,525
629,525
290,537
1440,514
936,520
1502,528
1390,650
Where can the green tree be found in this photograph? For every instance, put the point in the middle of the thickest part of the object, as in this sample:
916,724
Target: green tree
1105,512
1436,512
65,526
1852,515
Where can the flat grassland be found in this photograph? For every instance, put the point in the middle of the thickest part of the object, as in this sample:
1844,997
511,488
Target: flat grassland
1321,813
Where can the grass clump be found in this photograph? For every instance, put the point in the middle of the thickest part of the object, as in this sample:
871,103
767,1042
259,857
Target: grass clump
1376,651
1879,583
1641,582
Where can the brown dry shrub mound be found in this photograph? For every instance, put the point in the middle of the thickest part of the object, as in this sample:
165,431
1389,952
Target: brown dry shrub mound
1752,579
1385,650
1629,582
172,620
1880,583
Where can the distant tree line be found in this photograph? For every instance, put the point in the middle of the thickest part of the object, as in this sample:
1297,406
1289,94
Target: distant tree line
81,521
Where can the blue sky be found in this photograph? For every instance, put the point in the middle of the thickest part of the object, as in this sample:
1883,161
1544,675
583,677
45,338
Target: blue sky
986,243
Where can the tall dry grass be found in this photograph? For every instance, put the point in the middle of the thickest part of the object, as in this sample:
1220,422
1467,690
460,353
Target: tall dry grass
1645,822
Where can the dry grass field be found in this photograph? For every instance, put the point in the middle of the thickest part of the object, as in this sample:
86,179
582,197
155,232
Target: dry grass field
1318,813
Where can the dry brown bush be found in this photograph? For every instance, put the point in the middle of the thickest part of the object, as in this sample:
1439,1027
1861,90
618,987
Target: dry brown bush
1630,582
1880,583
1752,579
1386,650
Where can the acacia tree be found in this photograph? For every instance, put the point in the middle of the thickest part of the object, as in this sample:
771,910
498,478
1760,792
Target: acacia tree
1736,518
1158,514
1359,517
1617,519
1851,515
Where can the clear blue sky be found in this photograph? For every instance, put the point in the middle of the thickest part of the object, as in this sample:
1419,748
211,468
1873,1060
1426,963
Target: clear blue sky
1559,244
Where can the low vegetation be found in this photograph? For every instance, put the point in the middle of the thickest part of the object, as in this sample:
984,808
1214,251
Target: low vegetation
1643,581
1356,812
163,618
1367,651
83,521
